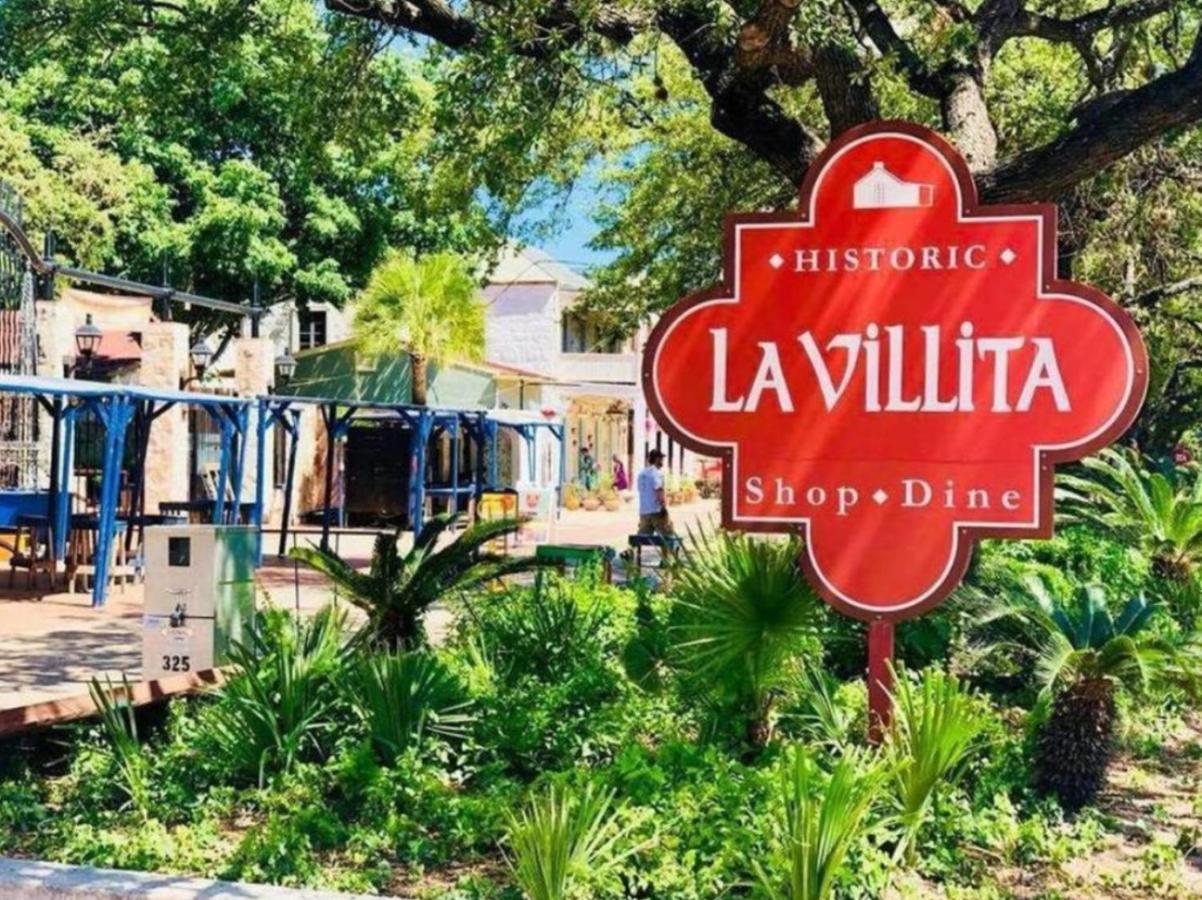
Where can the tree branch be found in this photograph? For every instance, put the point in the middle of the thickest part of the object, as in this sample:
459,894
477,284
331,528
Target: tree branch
739,105
1133,119
1024,23
1165,291
888,41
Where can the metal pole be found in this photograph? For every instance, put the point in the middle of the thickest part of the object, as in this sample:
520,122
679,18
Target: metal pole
262,423
455,464
241,418
115,421
327,416
293,440
56,437
880,679
223,472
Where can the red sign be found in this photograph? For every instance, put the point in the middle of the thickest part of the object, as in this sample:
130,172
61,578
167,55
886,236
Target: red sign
894,369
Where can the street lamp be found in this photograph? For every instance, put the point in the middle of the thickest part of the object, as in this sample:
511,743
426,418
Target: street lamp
201,356
285,368
87,339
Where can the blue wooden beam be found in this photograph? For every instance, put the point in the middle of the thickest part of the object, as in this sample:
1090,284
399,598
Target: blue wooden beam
115,412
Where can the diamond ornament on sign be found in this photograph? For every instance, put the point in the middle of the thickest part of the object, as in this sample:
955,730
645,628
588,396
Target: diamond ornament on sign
899,378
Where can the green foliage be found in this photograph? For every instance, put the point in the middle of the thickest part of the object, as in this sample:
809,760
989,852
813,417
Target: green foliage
276,708
742,615
822,817
935,728
564,841
402,697
1156,511
121,730
235,141
427,306
1079,639
398,590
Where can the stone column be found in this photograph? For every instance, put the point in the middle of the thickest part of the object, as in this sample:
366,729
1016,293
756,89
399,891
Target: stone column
168,451
254,363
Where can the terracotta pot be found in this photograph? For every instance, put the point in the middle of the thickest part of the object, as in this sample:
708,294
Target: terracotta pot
590,503
571,502
613,505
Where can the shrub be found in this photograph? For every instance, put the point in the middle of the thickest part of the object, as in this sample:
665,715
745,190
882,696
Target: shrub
402,697
275,709
564,840
935,728
743,613
822,815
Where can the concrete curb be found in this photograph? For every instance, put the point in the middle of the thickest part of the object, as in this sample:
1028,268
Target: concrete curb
36,880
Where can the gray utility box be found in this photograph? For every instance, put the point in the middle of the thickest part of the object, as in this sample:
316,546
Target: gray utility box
200,596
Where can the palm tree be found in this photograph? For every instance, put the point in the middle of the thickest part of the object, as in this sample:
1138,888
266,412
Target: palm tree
1081,657
397,590
428,306
741,614
1156,511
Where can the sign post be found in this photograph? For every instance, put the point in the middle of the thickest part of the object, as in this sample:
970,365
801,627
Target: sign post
893,369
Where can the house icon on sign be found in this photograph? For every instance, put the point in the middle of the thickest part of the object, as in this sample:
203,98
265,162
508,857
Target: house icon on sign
881,189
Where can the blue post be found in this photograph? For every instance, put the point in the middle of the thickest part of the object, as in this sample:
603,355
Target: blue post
66,463
455,464
115,412
494,464
528,436
223,472
558,431
417,481
262,424
241,421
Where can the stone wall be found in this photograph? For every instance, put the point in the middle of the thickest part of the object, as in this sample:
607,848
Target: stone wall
164,362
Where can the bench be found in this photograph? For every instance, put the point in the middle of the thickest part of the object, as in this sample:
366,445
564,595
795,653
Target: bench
664,542
579,554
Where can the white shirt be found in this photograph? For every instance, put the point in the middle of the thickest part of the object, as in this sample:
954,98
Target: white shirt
650,481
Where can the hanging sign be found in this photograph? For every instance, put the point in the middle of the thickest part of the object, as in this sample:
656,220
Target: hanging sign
893,370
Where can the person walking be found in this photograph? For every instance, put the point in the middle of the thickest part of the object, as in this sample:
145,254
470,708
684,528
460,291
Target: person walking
653,506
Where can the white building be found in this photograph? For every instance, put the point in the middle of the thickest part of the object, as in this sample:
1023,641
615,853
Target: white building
593,381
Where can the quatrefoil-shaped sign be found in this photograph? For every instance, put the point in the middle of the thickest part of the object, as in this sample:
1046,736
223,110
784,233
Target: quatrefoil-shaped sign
894,370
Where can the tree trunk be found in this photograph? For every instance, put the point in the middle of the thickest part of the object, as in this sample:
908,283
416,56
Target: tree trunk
1076,743
421,379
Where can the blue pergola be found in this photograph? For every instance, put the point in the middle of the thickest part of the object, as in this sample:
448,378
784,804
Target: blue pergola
117,406
479,425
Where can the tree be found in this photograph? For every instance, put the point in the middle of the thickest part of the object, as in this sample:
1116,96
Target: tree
399,588
230,142
753,58
1081,657
427,306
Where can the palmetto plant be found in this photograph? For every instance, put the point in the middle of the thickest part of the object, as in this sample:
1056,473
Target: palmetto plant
403,697
936,726
564,839
275,707
121,729
1081,656
1158,511
396,592
823,815
428,306
741,614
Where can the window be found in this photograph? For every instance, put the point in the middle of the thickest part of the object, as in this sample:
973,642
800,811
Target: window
312,328
573,334
582,335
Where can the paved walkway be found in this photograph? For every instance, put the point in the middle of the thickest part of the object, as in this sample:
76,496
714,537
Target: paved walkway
51,647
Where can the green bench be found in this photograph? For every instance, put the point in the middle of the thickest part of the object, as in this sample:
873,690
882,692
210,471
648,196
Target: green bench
579,554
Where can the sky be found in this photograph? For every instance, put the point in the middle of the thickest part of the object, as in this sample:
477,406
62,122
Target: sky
569,246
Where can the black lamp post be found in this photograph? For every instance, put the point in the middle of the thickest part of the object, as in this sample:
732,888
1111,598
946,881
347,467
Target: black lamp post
87,342
285,368
201,355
